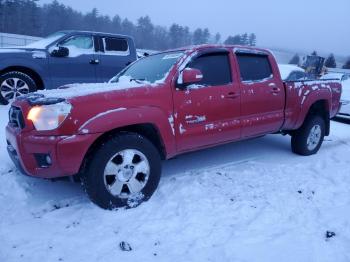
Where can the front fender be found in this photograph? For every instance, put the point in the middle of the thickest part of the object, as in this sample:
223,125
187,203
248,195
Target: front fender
123,117
38,65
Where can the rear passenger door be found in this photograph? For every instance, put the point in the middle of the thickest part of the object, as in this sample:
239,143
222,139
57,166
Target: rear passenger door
263,94
115,54
208,113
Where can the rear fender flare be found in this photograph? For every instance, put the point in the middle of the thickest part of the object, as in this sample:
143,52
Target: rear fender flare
309,101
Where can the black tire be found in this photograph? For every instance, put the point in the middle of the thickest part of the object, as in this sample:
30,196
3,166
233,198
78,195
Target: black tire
93,179
19,75
299,139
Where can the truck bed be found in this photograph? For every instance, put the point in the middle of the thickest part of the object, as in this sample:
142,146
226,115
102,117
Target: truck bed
300,96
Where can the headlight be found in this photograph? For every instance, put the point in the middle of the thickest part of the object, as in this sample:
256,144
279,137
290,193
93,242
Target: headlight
49,117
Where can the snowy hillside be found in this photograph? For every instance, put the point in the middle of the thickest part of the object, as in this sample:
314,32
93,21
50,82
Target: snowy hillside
249,201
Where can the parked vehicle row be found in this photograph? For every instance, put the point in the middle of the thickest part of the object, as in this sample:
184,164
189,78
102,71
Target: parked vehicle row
161,106
63,58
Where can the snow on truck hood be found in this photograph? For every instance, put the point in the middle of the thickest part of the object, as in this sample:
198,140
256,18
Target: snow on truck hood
79,90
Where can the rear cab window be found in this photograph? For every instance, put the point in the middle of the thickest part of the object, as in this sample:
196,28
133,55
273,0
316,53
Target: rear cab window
215,68
116,46
254,67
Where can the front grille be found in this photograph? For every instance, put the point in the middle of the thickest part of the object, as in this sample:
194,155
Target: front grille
16,117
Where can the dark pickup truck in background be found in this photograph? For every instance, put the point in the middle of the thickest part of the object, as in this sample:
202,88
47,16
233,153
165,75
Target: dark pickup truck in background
63,58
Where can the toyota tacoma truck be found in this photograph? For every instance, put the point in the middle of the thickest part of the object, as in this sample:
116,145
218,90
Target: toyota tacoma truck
62,58
113,136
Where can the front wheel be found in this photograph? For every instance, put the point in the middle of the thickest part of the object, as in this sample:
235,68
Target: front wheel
309,138
123,172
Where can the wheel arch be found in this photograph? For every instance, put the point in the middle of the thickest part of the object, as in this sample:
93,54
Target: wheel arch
322,108
147,130
26,70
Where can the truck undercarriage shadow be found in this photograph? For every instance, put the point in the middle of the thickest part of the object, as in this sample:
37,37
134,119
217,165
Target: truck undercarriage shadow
236,152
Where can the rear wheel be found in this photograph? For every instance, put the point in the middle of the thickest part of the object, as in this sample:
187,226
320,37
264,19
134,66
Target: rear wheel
123,172
14,84
309,138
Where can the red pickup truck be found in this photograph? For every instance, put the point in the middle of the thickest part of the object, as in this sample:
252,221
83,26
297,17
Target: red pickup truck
113,136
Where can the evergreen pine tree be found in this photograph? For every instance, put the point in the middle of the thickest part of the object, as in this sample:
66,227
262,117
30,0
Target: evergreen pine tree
27,17
244,39
252,39
217,38
347,64
234,40
206,36
330,62
144,33
197,37
295,60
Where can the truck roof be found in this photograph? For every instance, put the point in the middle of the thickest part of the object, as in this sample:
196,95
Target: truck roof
95,33
238,48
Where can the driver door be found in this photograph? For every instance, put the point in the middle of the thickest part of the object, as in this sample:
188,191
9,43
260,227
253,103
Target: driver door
79,66
208,113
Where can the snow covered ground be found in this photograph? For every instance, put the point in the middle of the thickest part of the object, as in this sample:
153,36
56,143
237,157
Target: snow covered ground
248,201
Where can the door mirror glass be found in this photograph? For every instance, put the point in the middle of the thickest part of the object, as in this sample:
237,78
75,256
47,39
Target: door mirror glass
191,76
60,51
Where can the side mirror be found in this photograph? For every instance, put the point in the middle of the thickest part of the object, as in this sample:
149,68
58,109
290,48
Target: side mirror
191,76
61,51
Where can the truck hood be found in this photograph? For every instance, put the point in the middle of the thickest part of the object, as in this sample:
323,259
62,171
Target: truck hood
22,52
19,49
73,91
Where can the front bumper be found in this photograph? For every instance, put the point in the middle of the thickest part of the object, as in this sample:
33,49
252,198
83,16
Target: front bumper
66,153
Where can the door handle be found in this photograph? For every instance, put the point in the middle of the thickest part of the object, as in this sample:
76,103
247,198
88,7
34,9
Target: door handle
275,90
94,61
232,95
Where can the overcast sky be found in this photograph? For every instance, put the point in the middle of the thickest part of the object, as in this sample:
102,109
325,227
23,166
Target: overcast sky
290,24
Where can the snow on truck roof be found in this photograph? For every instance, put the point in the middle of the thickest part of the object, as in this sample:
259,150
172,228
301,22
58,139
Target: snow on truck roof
236,48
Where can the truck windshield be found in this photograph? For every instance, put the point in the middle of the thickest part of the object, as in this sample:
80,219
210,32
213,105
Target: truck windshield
43,43
152,69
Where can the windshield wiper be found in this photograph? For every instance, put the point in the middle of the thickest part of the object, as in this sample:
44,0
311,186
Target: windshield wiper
139,81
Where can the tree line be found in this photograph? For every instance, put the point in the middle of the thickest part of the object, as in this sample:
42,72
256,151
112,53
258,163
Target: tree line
27,17
329,62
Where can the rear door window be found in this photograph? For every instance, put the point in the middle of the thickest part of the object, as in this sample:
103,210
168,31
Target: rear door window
116,45
254,67
215,68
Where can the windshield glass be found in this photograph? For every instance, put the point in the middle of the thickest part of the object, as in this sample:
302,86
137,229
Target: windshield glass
43,43
152,69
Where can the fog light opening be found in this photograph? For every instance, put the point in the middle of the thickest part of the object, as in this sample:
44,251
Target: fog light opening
43,160
48,160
